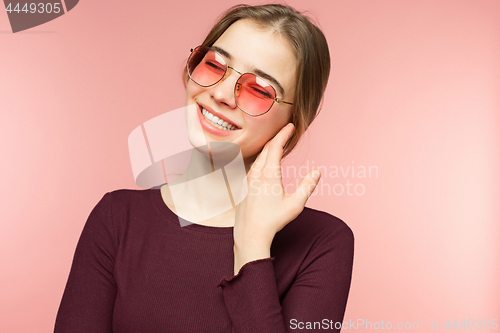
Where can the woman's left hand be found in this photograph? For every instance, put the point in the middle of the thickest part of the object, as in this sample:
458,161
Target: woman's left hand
267,208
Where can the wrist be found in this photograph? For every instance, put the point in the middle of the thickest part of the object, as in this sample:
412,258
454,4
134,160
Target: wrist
245,254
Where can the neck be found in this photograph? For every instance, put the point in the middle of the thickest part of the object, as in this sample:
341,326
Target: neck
211,184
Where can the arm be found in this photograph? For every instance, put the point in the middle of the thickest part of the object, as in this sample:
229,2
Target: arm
320,289
317,296
88,299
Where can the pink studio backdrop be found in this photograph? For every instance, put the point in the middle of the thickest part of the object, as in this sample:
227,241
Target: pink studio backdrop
413,94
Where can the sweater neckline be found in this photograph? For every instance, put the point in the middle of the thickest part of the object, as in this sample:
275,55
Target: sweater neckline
172,217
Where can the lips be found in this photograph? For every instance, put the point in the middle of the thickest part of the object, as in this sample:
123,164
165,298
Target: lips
220,116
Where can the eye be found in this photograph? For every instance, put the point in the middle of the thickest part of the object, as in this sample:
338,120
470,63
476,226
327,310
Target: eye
259,91
215,66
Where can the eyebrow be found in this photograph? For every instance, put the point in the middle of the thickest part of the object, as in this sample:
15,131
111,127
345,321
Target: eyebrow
259,72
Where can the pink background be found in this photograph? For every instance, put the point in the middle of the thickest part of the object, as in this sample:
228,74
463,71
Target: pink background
414,91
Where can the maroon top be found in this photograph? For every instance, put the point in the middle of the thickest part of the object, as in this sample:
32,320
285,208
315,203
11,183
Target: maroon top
135,269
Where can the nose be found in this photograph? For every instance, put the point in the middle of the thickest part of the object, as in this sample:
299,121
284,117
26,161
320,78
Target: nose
223,92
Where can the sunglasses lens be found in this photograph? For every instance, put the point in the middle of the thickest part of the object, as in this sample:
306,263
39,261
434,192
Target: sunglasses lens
206,67
253,94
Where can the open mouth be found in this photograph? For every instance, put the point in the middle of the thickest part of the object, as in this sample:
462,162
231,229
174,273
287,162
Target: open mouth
217,122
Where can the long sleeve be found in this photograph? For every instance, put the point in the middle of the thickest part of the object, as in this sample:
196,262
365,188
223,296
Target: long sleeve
315,301
136,269
87,302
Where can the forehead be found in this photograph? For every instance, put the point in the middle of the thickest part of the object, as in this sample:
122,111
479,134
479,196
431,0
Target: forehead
252,47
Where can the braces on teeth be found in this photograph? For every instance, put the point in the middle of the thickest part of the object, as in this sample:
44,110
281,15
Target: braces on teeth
214,120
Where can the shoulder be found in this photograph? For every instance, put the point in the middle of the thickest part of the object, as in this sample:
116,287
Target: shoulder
128,195
325,221
313,234
315,241
124,199
124,213
321,225
120,204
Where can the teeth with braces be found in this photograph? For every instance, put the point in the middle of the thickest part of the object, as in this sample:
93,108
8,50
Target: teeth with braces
214,120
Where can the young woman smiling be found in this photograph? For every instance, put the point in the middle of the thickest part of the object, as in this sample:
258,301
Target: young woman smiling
268,264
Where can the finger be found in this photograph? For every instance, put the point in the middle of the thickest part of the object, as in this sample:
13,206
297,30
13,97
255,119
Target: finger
277,143
260,161
305,188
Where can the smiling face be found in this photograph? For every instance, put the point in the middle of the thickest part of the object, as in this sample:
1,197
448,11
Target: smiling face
247,48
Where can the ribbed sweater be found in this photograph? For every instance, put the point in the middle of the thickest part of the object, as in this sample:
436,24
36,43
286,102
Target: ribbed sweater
135,269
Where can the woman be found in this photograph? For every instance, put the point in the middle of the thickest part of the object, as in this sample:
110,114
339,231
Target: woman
268,264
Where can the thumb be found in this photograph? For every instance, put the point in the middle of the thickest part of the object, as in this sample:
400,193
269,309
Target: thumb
306,187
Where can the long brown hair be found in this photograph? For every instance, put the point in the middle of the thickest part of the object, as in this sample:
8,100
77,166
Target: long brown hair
310,48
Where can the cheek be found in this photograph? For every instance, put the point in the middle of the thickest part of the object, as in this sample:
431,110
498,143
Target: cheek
259,131
192,90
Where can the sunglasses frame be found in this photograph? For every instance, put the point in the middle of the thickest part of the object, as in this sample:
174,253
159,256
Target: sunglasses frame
277,100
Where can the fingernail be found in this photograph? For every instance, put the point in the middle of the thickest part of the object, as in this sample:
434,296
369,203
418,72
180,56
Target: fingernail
315,175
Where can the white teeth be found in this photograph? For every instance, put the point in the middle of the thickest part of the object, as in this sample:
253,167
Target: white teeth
214,120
